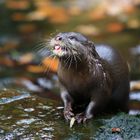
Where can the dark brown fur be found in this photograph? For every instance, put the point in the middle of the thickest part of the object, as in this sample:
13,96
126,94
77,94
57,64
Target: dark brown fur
98,81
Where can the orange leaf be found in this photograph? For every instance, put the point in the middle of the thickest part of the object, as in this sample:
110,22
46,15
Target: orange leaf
27,28
115,129
130,9
59,15
88,29
97,14
74,11
35,69
18,16
36,15
6,62
12,4
50,64
133,23
115,27
26,58
9,45
135,85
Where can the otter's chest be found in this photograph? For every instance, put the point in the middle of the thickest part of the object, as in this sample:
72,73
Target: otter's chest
75,82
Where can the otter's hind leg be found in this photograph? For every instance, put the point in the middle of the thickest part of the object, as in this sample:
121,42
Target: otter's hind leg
95,106
120,98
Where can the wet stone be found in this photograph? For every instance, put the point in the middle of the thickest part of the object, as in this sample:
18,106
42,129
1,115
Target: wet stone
21,116
29,109
9,95
44,107
1,131
27,121
48,129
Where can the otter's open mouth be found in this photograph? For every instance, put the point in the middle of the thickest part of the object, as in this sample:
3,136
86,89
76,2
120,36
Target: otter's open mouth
59,50
57,47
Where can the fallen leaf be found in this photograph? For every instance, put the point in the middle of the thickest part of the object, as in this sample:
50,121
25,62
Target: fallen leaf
72,122
6,61
9,45
133,23
26,58
59,16
115,129
129,9
27,28
54,14
50,64
35,69
97,14
14,4
36,15
18,16
134,85
88,29
115,27
74,11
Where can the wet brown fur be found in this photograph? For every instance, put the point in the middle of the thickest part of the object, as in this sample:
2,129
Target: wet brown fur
100,75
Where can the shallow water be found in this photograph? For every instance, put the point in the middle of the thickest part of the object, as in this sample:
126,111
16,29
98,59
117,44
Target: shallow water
26,115
34,117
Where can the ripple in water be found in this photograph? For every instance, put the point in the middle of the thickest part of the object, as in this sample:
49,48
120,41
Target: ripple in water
19,95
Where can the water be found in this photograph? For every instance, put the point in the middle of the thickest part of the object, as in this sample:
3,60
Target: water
35,118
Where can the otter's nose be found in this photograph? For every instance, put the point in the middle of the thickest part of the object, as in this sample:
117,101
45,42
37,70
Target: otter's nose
58,38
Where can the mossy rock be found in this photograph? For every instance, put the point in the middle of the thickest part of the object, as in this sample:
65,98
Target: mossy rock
120,127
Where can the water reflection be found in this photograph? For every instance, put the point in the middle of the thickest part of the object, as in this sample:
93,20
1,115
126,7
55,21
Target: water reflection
134,103
135,96
30,117
6,100
36,117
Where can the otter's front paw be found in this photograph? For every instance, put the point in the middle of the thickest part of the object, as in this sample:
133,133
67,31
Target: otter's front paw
68,114
81,118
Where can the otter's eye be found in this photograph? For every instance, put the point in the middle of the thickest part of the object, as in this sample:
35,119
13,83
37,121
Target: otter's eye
72,38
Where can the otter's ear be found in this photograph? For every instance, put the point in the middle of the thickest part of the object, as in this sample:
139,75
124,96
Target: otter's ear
91,44
92,49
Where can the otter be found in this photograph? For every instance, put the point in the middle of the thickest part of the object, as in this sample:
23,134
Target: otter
94,79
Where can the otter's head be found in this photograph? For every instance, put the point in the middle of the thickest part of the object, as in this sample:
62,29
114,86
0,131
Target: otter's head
70,44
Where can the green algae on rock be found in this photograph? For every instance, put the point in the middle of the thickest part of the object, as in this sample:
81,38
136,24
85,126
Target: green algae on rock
128,125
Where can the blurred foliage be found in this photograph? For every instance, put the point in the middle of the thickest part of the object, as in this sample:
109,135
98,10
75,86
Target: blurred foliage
25,23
